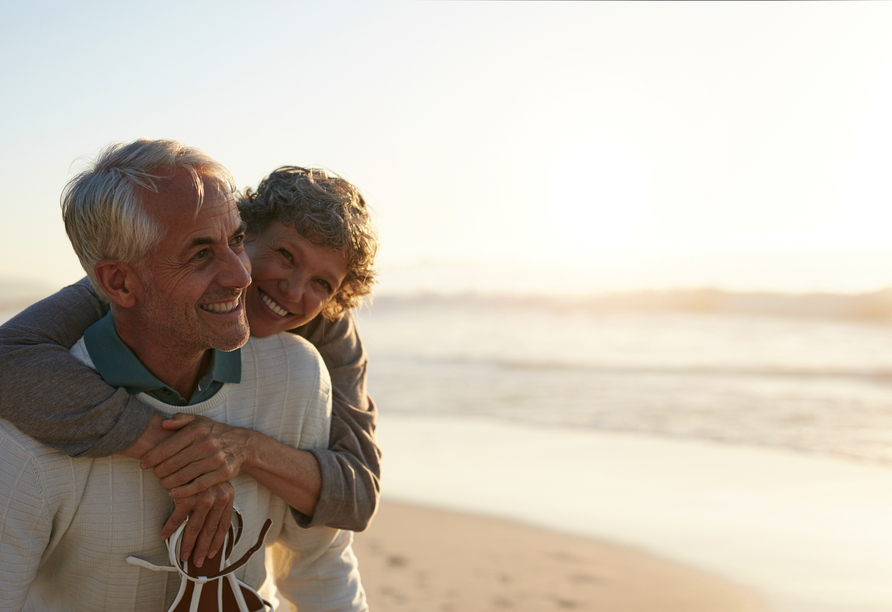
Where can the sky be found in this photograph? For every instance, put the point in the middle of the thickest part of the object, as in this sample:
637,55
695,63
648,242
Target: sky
505,147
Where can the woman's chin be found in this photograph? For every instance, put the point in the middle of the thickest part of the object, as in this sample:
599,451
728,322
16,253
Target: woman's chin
263,322
261,326
263,329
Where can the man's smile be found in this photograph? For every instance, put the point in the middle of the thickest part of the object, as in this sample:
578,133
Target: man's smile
221,307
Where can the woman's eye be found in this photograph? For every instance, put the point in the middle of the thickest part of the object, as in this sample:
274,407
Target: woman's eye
325,284
286,254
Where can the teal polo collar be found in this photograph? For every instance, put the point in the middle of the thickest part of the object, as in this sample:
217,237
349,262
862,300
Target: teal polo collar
117,364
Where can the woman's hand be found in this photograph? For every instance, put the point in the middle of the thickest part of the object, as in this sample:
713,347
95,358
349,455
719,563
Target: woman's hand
200,454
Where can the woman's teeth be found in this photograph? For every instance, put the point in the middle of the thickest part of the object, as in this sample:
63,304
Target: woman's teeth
272,305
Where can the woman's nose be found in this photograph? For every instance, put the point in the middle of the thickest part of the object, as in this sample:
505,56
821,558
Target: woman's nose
292,286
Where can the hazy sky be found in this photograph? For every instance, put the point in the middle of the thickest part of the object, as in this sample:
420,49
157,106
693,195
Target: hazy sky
526,146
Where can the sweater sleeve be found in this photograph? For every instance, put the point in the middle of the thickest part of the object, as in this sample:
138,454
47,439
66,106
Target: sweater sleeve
53,397
351,466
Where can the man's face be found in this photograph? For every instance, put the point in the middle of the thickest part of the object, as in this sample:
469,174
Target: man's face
194,280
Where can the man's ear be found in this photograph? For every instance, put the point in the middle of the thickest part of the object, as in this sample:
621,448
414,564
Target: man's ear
119,282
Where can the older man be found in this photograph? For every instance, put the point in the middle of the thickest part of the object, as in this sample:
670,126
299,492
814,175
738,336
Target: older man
156,228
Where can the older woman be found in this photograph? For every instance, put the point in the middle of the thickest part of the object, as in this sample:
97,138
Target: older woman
312,243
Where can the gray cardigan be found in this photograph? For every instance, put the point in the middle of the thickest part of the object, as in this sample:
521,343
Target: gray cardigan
54,398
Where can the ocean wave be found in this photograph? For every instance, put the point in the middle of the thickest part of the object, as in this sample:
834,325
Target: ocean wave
879,375
872,306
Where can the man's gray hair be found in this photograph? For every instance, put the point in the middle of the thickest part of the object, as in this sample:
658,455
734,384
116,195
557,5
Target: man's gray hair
329,211
102,208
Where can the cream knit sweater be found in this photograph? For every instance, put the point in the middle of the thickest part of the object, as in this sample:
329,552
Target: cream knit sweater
67,525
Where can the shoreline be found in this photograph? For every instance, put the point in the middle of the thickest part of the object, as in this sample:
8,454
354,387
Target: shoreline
416,558
802,532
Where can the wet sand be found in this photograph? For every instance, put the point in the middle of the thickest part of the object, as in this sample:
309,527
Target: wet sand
804,532
415,559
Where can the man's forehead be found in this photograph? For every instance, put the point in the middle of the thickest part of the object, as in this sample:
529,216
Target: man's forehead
182,194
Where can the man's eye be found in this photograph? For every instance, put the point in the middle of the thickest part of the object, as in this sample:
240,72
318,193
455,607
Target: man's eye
238,240
202,254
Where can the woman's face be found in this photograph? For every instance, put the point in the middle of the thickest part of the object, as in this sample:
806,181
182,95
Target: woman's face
293,279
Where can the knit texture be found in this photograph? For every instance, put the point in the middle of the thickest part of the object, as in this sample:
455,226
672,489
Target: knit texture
68,524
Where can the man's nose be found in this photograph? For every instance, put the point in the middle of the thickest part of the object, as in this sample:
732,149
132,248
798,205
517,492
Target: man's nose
235,270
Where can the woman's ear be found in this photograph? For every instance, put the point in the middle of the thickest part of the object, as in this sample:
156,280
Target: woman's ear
119,282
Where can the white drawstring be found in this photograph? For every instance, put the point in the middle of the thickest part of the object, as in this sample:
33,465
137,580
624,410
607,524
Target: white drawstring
227,568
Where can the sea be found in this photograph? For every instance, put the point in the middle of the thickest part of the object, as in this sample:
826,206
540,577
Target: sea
745,434
804,372
809,373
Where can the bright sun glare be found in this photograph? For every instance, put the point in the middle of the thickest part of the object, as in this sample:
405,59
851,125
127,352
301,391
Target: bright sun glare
600,192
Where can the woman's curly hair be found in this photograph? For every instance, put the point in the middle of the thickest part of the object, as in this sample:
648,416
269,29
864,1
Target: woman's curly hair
326,209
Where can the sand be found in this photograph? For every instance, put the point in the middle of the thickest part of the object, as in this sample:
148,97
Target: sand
805,533
419,559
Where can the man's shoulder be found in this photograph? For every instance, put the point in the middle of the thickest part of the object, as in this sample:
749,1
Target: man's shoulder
38,481
284,358
15,441
297,353
284,376
21,452
282,341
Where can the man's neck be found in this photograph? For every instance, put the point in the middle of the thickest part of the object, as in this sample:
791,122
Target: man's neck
176,367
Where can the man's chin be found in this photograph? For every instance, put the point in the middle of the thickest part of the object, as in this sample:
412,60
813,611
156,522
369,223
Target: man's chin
229,347
231,338
233,342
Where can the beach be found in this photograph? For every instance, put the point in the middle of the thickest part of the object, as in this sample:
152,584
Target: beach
759,526
753,450
415,558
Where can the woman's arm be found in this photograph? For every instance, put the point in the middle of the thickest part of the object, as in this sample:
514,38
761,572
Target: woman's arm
336,487
351,466
53,397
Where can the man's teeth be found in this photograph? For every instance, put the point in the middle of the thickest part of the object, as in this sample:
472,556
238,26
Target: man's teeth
221,308
272,305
